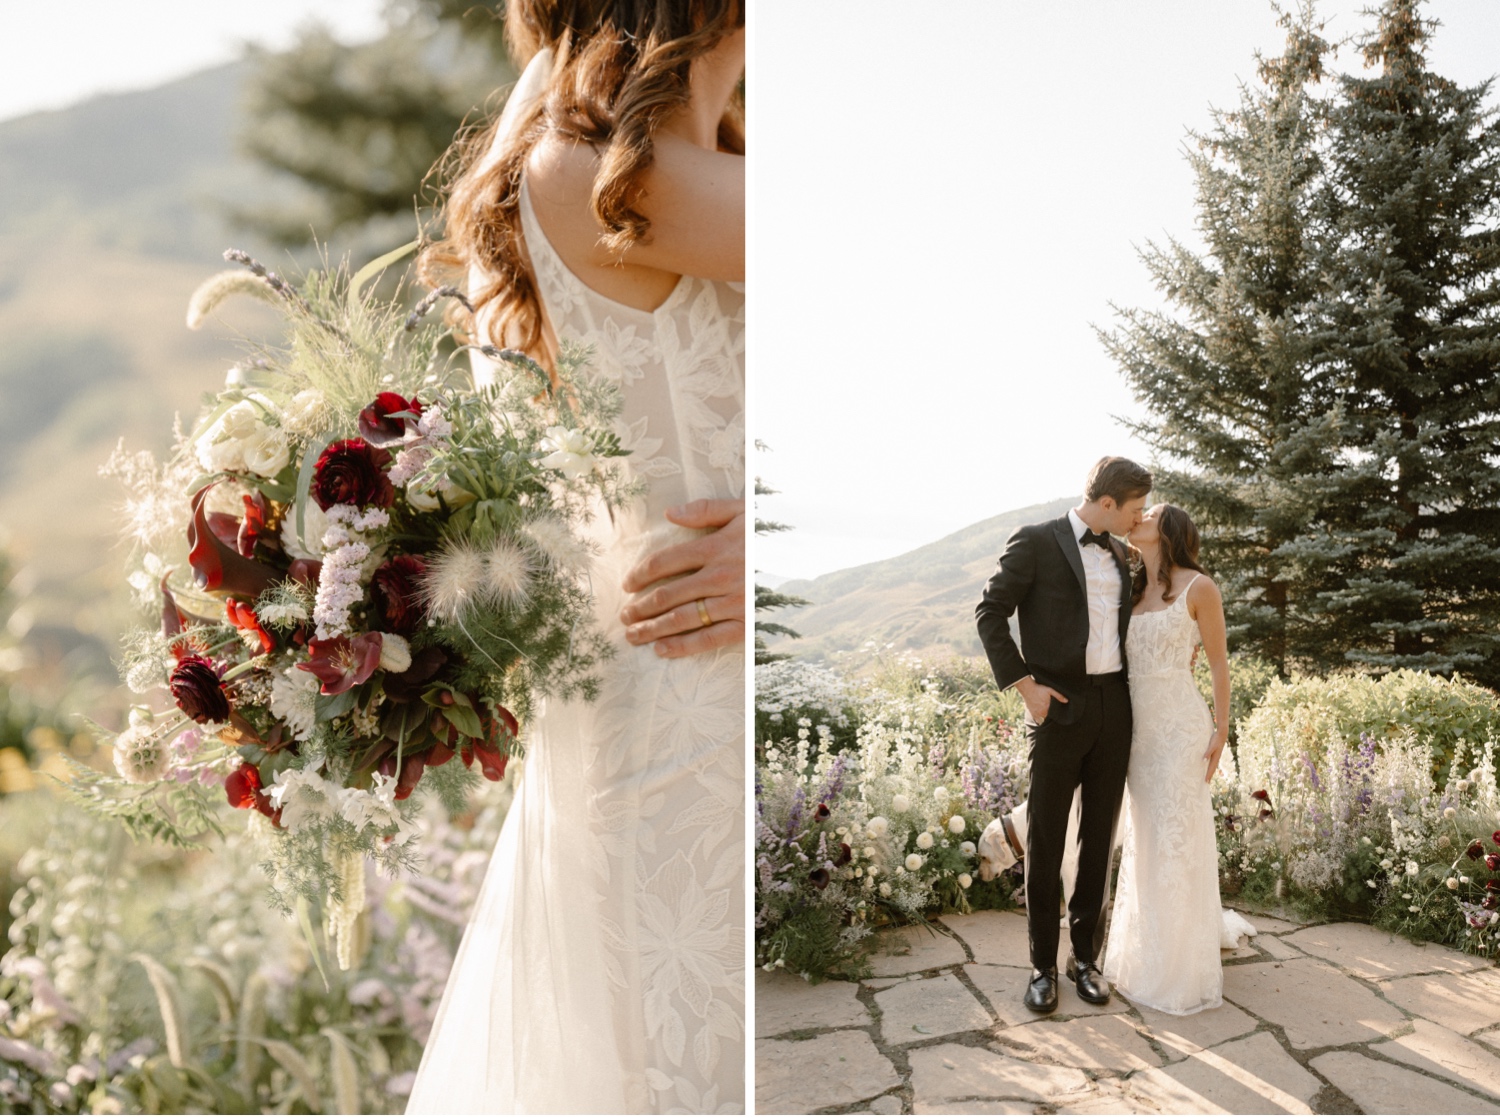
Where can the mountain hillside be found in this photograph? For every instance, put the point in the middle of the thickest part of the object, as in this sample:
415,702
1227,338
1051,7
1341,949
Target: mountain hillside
922,601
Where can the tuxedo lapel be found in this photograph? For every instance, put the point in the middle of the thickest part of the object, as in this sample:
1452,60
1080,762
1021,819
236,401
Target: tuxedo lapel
1063,529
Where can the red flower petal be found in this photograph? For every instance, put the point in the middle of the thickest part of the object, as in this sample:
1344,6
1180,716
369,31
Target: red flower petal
242,786
342,663
218,566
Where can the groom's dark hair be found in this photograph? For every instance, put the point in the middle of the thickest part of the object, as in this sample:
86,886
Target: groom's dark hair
1120,478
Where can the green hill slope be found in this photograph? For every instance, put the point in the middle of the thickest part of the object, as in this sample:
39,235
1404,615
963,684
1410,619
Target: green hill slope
922,601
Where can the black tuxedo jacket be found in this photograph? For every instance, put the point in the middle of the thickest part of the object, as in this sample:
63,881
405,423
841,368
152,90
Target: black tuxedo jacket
1040,577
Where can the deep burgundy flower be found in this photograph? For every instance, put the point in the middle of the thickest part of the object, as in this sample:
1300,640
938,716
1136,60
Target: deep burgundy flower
352,472
1265,813
1263,796
845,854
343,662
243,618
1495,837
1475,850
394,594
1491,901
819,878
199,691
242,786
253,526
1492,885
1492,862
822,812
376,423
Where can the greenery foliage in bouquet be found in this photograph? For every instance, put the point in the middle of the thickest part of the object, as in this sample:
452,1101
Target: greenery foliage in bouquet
363,569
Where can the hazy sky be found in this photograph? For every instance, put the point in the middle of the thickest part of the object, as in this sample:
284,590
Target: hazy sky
53,54
946,200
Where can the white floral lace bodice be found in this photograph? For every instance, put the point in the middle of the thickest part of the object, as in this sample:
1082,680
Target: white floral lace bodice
603,970
1163,640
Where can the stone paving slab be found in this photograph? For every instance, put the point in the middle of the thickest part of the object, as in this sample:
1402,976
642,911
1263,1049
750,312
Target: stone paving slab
1377,955
1280,949
977,1107
786,1003
1380,1087
1466,1003
950,1073
839,1068
1090,1042
916,1011
1250,1075
1106,1096
1270,925
1000,938
911,949
1181,1036
1442,1052
1316,1004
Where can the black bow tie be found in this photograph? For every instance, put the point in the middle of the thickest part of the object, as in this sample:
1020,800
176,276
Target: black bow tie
1094,537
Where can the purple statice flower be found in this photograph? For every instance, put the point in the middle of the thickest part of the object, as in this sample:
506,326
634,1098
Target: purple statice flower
794,816
1312,772
833,782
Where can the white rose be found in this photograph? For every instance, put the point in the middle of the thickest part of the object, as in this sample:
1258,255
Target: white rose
964,880
877,827
924,840
302,412
968,849
900,804
869,853
219,455
315,524
956,824
1412,868
885,889
395,653
913,862
267,453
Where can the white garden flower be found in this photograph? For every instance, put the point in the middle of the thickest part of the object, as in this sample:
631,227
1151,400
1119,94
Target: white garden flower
140,756
376,807
1412,868
1452,882
924,840
913,862
878,827
885,889
309,543
1365,839
1462,879
571,451
304,798
266,453
968,849
305,413
900,804
964,880
294,695
1387,864
940,793
956,824
1372,884
1449,812
395,653
869,853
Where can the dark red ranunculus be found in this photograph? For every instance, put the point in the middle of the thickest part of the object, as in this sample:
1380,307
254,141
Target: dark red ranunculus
199,691
352,471
1263,796
378,426
343,662
1475,850
1495,837
1492,862
394,592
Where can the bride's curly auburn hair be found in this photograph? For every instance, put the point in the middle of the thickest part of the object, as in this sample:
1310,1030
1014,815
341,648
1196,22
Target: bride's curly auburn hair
1177,548
620,68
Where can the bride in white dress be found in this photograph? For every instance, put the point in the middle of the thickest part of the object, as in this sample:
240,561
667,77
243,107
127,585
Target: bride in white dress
603,969
1167,926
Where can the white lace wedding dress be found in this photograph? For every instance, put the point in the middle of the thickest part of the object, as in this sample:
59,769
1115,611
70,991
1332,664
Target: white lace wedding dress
1167,926
603,968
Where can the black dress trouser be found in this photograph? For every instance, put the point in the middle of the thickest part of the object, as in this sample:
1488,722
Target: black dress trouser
1092,749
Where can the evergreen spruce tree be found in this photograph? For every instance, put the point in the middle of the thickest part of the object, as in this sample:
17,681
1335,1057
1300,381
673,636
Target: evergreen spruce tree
1413,195
356,129
767,599
1243,411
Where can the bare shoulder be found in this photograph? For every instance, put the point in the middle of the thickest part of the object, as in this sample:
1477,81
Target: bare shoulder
1203,591
560,179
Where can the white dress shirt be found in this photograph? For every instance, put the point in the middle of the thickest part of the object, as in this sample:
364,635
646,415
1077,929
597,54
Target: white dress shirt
1102,576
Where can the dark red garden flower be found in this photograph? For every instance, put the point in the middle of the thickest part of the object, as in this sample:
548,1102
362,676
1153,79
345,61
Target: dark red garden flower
819,878
352,471
214,553
243,788
1495,837
1263,796
253,526
822,812
394,594
845,854
198,689
343,662
243,618
1475,850
1229,821
1492,862
382,422
1265,813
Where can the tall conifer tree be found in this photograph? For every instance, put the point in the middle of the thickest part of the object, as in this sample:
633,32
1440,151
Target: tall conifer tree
1243,414
1413,195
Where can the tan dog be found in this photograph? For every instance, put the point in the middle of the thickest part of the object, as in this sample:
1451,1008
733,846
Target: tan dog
1003,844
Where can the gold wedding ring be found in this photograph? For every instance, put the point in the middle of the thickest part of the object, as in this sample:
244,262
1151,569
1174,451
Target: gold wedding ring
703,613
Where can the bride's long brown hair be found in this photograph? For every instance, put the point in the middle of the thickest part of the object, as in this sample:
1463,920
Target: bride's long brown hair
1176,547
621,67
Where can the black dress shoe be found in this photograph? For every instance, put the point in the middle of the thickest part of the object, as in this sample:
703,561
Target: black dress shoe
1089,982
1041,994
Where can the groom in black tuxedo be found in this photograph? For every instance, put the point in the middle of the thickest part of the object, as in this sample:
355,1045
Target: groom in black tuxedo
1069,581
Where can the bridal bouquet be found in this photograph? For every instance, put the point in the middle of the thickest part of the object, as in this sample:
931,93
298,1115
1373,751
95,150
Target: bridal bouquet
365,572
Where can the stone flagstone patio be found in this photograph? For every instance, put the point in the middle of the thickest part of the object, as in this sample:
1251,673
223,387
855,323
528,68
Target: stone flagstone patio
1330,1018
